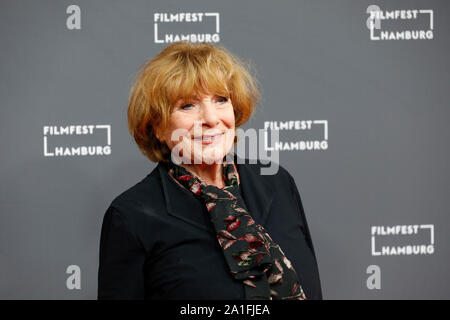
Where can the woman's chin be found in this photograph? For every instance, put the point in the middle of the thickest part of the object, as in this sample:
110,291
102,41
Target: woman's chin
209,154
208,157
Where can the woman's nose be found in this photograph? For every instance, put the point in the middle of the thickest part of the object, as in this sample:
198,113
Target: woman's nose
209,114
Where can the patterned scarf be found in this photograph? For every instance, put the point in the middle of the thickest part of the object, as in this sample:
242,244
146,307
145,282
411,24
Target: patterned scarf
252,256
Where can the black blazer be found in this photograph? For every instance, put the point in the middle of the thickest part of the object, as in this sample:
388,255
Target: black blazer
157,241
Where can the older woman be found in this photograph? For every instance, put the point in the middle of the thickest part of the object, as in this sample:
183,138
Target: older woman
203,224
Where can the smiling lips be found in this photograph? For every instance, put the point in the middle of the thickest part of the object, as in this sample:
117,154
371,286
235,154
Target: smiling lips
208,139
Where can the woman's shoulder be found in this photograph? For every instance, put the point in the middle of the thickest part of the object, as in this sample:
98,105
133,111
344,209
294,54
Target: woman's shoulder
140,195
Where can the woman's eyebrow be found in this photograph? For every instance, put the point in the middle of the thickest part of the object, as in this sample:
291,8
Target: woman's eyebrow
194,98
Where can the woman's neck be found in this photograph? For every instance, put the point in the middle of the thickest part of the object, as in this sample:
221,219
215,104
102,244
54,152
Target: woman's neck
211,174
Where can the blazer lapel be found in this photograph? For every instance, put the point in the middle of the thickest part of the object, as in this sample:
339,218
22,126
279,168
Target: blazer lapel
180,203
257,194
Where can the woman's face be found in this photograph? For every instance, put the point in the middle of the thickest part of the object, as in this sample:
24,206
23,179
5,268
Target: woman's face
201,130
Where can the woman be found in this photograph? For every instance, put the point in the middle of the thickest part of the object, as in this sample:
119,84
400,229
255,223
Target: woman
203,224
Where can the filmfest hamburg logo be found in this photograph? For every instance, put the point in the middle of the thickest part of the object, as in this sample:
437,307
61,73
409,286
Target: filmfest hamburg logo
51,132
300,126
183,18
377,16
411,232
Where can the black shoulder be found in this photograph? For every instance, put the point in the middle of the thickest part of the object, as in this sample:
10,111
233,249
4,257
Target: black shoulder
139,195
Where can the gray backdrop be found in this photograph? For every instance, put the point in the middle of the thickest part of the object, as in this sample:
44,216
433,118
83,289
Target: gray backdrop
383,161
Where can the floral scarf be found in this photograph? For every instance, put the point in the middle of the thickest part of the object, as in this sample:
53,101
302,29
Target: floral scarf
252,256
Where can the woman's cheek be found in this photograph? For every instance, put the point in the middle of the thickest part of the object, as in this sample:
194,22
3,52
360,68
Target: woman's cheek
229,139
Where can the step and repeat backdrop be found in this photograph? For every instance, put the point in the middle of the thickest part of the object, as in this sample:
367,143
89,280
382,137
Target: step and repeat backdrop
358,92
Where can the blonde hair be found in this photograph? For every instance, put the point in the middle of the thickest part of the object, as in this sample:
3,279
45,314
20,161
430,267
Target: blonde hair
181,71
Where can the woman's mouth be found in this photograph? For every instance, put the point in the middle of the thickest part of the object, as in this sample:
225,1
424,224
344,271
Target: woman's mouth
208,139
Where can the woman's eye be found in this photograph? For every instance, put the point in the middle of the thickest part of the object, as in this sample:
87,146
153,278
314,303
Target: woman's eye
186,106
223,99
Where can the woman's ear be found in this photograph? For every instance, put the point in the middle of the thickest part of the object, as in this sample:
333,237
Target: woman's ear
158,135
